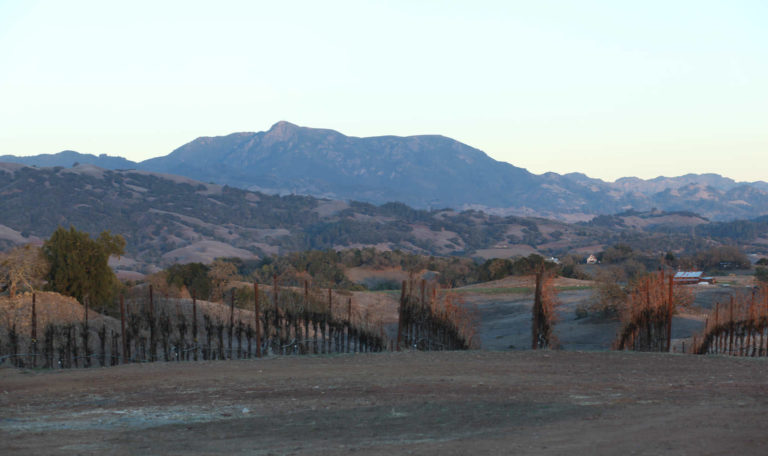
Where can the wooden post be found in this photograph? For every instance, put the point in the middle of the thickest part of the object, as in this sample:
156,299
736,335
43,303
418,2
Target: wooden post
400,317
258,323
670,310
85,334
537,308
717,324
194,324
751,324
649,328
761,351
181,350
122,328
306,317
329,320
730,328
151,301
231,322
277,313
432,334
152,340
694,348
349,321
34,330
421,325
274,291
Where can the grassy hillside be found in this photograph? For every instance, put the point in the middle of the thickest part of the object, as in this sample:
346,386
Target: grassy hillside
167,219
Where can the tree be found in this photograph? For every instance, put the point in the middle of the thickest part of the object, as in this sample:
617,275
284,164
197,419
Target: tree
670,258
569,267
220,274
608,297
79,264
723,257
193,276
23,267
617,254
496,269
761,273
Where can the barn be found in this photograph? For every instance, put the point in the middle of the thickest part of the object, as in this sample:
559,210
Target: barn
692,278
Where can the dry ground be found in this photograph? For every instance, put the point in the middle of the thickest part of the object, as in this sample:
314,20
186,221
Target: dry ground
459,403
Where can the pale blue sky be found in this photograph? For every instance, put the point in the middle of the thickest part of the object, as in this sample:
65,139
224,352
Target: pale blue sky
608,88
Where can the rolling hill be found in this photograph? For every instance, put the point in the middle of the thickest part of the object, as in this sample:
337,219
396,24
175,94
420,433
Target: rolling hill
167,219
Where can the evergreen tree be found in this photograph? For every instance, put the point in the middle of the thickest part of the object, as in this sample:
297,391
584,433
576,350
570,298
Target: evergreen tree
79,264
193,276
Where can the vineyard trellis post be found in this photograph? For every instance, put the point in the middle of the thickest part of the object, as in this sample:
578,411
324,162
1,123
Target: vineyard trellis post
670,309
231,323
349,321
329,320
194,325
276,340
123,340
257,318
305,304
85,333
730,327
400,316
538,310
762,351
151,322
717,323
34,331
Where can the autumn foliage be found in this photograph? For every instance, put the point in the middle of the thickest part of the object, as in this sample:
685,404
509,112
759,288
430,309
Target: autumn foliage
737,328
544,305
647,315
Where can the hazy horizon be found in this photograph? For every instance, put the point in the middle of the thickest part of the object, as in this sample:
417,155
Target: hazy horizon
605,89
324,128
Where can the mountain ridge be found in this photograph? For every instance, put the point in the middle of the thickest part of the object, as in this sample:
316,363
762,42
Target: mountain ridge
425,171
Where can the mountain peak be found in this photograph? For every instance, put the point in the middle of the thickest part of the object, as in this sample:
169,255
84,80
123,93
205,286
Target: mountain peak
282,131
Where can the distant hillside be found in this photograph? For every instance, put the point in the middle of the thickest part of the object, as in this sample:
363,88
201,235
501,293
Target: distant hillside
424,172
69,158
167,219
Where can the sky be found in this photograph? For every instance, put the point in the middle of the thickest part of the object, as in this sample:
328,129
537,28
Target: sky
605,88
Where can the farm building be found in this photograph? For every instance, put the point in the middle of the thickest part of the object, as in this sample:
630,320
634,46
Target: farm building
692,278
591,259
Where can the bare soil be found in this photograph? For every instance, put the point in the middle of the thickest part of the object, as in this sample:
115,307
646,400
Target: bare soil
477,402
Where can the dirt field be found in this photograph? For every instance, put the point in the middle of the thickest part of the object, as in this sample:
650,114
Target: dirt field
460,403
